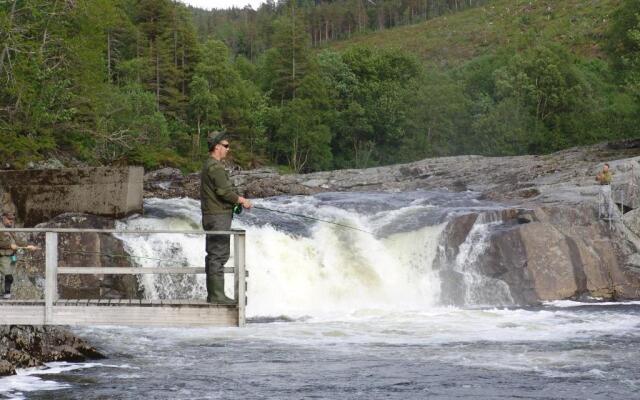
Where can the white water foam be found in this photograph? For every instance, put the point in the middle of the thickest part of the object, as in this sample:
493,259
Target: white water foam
334,271
479,288
29,380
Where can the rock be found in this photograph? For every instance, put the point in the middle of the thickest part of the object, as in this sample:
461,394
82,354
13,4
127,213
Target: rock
557,253
52,163
162,182
79,250
632,221
554,178
549,245
31,346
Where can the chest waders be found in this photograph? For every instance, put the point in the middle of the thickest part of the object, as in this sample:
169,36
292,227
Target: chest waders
7,266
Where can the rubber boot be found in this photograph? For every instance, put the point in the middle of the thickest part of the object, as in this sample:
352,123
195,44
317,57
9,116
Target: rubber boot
215,291
8,280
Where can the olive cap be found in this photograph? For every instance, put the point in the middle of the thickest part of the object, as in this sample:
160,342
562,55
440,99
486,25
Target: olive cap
215,137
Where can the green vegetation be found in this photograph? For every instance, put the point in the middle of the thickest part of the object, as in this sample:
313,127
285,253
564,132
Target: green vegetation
310,87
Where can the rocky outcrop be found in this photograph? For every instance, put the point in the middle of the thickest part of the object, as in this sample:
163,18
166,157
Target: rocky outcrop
559,177
265,182
31,346
546,253
550,243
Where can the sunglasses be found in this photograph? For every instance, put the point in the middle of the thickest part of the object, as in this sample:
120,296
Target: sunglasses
225,145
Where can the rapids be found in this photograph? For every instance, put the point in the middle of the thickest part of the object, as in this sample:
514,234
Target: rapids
337,313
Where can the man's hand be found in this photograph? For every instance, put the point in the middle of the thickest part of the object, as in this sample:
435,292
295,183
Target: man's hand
246,203
14,246
32,247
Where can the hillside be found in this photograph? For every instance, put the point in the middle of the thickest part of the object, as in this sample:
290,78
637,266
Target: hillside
132,82
450,40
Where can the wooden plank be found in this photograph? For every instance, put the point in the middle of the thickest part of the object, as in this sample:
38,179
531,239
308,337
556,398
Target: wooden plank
22,315
140,316
94,314
14,302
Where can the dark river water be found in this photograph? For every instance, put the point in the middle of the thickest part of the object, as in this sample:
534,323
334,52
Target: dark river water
570,351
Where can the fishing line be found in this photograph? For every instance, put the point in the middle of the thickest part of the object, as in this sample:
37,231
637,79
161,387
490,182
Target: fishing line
312,218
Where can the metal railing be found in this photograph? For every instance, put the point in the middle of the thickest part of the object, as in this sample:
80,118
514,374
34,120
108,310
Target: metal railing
52,270
607,209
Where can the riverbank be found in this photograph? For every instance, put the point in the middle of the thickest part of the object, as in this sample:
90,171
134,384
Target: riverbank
25,346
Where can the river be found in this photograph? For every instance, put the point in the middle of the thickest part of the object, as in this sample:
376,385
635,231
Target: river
339,313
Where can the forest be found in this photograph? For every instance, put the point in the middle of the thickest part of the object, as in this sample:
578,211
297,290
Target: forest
313,85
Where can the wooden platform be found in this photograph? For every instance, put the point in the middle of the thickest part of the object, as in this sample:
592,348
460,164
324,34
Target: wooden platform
55,311
119,312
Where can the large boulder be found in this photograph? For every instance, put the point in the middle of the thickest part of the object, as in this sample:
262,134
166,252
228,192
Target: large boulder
547,253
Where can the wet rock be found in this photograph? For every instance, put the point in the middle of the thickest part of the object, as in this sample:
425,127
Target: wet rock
23,346
164,183
559,253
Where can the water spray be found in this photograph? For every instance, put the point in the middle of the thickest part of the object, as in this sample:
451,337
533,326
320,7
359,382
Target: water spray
237,209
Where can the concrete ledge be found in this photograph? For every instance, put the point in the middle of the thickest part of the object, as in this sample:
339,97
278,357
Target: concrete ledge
40,195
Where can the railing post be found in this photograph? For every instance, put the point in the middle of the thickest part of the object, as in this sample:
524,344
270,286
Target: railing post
51,275
240,288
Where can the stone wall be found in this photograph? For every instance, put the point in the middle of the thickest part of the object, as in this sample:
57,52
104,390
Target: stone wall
40,195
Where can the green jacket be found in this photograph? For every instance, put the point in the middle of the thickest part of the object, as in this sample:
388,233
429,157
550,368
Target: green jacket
6,240
605,178
217,195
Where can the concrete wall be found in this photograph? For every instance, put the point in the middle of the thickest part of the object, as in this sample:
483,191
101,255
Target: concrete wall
40,195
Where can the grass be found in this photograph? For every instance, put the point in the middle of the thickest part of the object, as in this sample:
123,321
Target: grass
453,39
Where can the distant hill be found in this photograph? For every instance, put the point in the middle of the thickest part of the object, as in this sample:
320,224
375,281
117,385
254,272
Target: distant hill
458,37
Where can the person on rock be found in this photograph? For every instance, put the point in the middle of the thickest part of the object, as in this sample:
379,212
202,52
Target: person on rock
604,177
217,198
605,203
8,250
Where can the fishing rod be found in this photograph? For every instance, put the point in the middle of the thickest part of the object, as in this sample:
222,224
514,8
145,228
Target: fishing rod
312,218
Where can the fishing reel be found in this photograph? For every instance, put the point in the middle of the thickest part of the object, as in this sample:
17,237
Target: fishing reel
237,208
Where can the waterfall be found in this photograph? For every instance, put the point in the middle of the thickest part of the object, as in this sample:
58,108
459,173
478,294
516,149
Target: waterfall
299,268
479,289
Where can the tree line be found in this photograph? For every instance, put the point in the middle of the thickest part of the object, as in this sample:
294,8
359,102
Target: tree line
249,32
132,82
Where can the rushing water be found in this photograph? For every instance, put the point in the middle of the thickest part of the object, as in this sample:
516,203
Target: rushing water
339,314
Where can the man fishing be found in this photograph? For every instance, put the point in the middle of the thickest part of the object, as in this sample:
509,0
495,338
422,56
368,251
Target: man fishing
217,198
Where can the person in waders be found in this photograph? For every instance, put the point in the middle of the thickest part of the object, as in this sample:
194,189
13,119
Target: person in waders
8,252
217,199
605,203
